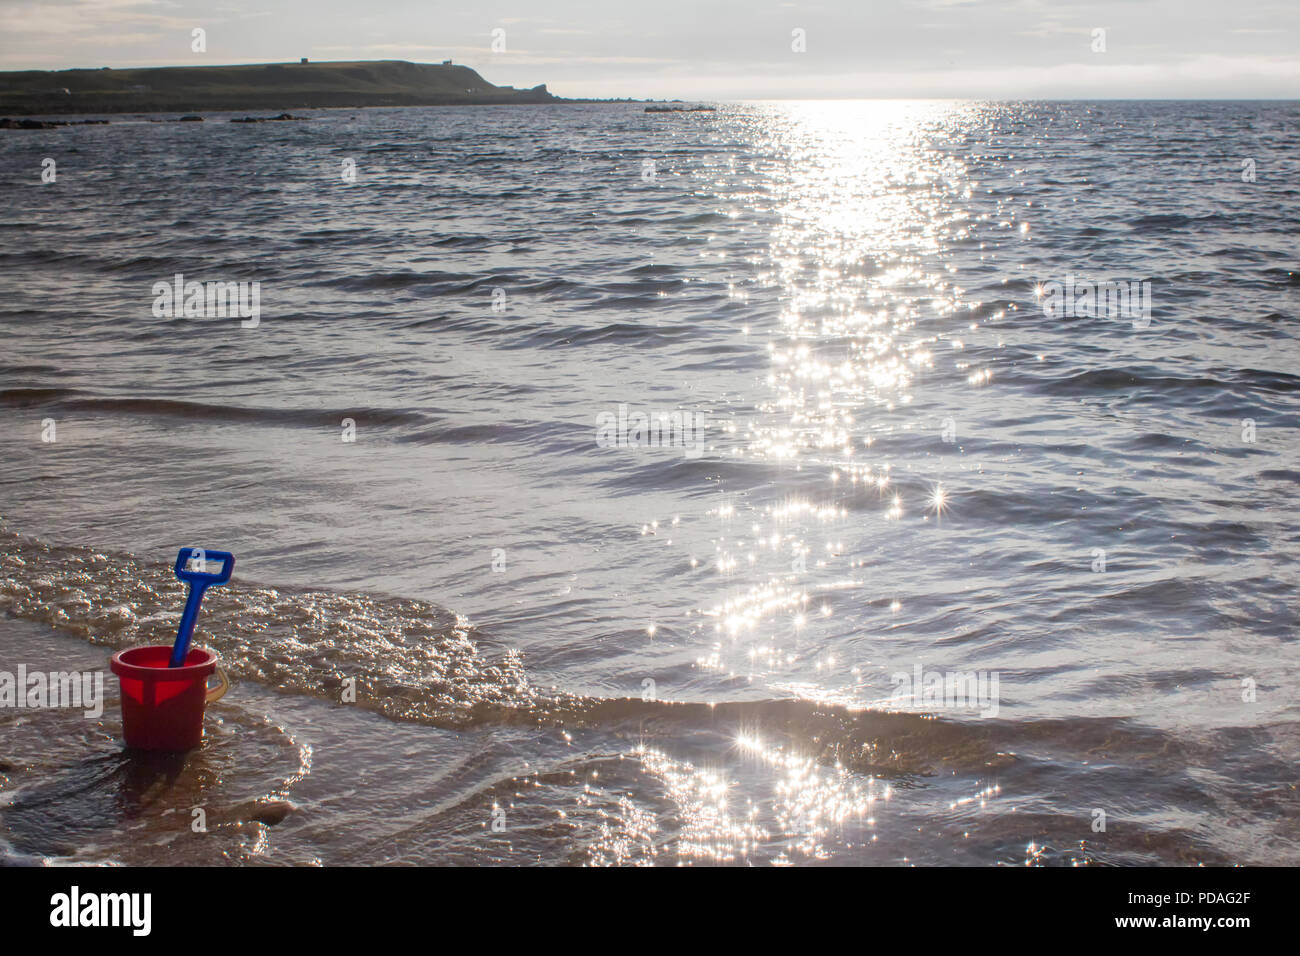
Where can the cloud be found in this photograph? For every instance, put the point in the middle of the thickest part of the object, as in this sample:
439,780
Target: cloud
689,48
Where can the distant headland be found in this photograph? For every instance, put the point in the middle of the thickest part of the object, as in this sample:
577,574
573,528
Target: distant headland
259,86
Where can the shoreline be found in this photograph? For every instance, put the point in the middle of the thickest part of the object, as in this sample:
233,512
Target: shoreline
49,121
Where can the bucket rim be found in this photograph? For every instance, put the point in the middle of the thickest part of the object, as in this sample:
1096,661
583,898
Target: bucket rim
122,667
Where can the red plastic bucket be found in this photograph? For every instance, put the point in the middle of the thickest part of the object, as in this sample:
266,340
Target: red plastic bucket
162,707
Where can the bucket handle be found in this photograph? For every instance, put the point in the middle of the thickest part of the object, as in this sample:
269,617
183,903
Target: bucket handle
216,693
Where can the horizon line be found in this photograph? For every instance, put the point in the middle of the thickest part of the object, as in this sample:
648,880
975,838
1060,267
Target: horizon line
793,98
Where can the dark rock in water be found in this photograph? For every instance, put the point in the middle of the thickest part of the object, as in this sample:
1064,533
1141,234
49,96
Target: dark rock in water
681,109
190,119
268,119
7,123
5,766
272,813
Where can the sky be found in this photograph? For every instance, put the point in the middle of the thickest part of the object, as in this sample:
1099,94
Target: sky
712,49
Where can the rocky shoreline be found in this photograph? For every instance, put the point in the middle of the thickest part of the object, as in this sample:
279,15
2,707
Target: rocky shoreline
8,123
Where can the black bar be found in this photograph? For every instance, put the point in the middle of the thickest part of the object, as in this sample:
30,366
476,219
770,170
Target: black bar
940,907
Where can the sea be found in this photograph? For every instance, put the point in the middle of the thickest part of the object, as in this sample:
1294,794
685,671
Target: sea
872,483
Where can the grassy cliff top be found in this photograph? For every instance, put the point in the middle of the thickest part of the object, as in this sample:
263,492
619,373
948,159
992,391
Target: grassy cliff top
252,86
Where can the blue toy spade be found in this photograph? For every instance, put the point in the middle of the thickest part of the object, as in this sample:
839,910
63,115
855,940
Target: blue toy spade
199,578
